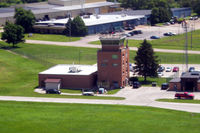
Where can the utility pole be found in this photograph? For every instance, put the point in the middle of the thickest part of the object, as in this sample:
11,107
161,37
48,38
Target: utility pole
191,35
185,26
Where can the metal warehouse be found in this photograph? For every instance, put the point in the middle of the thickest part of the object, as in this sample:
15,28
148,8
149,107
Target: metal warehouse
95,23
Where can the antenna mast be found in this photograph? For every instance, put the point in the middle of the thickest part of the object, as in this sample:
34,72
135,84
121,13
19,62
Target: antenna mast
185,26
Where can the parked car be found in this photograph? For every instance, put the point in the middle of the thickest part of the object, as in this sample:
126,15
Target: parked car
184,95
164,86
136,84
191,69
128,28
155,37
88,93
139,32
169,34
126,35
167,23
168,69
160,74
175,69
161,69
53,91
131,33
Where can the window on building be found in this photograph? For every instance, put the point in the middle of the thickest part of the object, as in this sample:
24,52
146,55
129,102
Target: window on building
103,64
115,64
114,56
105,60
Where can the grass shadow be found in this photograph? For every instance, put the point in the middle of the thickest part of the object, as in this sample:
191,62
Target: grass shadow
8,46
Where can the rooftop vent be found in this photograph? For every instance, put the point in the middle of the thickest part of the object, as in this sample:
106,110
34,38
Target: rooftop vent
74,69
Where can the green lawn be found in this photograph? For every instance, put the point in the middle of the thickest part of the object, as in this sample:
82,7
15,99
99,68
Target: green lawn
172,42
179,101
149,81
51,37
51,55
30,117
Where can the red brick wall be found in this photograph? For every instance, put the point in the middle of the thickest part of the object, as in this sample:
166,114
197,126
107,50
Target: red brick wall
171,86
198,86
71,81
109,72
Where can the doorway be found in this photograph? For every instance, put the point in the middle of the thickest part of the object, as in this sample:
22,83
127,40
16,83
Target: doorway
189,86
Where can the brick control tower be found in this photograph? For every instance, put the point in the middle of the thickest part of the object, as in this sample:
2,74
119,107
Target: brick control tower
113,63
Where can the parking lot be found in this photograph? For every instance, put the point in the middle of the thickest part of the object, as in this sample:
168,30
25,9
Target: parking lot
171,74
149,31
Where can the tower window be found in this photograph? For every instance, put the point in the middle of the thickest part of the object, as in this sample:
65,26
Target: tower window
103,64
114,56
115,65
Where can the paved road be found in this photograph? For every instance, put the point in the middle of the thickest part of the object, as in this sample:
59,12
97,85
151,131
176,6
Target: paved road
145,96
84,43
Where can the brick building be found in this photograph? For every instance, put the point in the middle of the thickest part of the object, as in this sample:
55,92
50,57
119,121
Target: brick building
112,66
68,77
113,63
189,81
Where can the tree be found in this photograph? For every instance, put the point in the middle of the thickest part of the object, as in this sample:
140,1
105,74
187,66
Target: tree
160,15
25,18
13,33
154,18
68,28
197,8
78,27
146,62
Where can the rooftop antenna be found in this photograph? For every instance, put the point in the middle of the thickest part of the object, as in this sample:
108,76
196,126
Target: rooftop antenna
185,26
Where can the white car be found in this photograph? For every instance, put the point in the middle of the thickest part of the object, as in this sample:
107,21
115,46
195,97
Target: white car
168,69
89,93
160,74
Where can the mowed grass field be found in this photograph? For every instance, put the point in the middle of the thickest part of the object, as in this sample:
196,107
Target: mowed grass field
49,54
51,37
172,42
28,117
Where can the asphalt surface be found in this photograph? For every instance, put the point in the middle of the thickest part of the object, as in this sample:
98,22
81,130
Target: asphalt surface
144,96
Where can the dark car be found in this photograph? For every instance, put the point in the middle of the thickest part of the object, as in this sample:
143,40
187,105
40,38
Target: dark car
161,69
128,28
139,32
155,37
53,91
191,69
164,86
136,84
131,33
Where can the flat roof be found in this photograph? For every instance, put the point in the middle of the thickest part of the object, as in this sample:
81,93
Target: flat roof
194,74
64,69
96,20
175,80
131,12
48,8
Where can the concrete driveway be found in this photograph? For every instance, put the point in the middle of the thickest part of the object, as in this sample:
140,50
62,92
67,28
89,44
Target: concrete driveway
144,96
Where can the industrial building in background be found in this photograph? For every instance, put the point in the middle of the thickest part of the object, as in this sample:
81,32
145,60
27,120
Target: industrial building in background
56,9
111,71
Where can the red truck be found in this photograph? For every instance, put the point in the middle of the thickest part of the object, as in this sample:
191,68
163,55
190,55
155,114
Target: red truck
184,95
